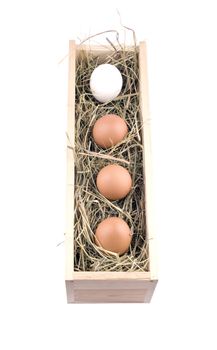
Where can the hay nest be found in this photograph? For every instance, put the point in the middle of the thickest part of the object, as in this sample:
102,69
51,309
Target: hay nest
90,206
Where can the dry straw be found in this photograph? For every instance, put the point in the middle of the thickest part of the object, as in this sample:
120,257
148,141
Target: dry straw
90,206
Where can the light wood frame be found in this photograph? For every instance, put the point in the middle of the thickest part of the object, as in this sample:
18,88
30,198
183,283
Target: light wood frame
87,287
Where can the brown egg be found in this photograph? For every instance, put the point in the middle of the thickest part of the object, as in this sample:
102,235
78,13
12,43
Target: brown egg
109,130
113,234
114,182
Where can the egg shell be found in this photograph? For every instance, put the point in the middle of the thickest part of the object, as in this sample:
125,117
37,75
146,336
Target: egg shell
114,182
106,82
109,130
113,234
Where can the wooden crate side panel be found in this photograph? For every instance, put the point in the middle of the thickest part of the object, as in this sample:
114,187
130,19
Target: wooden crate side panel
109,292
69,235
109,296
147,164
111,276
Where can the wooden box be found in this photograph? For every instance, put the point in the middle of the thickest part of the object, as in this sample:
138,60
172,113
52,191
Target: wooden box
106,287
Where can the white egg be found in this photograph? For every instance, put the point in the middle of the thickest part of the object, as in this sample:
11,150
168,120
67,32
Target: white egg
106,82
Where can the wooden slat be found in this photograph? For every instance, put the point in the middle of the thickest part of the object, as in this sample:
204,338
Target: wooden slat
111,280
109,296
147,164
105,293
111,276
109,284
69,236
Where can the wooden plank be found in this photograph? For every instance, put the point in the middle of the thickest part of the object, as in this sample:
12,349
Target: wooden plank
108,284
69,235
70,292
91,287
98,294
111,280
109,296
111,276
147,164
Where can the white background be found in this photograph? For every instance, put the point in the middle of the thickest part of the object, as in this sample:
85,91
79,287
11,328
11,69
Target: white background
182,57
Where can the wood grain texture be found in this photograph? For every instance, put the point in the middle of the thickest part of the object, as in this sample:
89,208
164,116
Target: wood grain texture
69,236
111,280
147,163
110,296
111,276
106,287
119,294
